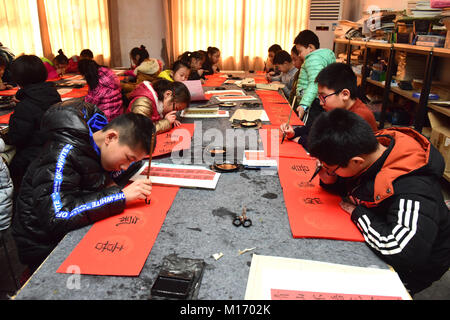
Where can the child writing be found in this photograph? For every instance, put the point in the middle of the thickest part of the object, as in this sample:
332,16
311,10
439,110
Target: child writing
35,96
72,66
160,102
104,88
212,60
180,72
390,183
69,185
57,67
337,88
283,62
8,57
3,66
269,68
195,62
145,69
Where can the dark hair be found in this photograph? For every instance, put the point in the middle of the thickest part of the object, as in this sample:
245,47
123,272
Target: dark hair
177,65
3,62
89,69
187,57
282,57
307,37
212,50
294,50
275,48
180,91
142,52
135,130
86,53
338,76
27,70
61,58
339,135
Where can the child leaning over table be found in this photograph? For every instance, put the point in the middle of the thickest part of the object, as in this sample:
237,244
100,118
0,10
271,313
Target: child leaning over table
69,185
283,62
390,181
314,60
160,101
337,87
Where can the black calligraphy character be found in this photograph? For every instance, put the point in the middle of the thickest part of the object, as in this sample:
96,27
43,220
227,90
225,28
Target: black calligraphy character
128,220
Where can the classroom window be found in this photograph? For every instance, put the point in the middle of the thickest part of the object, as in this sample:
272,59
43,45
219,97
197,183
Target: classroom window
242,29
42,27
19,26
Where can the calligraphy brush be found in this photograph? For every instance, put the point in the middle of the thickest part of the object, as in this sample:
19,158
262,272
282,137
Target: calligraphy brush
319,167
147,201
289,119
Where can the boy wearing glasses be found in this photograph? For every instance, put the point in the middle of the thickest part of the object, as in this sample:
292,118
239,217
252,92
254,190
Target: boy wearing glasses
390,180
337,89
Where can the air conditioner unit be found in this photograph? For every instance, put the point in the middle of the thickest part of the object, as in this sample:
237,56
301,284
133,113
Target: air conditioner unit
324,17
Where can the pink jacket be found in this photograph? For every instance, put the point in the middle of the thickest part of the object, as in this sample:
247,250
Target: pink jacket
52,74
107,95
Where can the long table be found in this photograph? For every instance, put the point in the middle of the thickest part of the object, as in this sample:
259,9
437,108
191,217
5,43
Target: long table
198,225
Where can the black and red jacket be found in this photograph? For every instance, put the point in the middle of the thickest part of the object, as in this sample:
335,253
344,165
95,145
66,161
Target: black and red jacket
400,207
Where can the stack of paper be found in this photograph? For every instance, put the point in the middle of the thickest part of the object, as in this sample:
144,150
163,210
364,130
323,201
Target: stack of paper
275,278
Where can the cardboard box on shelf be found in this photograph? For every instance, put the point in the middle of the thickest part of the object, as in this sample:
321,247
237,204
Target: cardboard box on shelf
440,135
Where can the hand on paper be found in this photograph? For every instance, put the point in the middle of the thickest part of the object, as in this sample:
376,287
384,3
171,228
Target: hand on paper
5,86
347,207
138,190
176,123
301,112
171,116
288,130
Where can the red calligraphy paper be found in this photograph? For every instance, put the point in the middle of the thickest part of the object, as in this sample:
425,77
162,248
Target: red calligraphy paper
179,138
214,80
10,92
279,294
312,211
77,93
271,137
180,173
120,245
5,118
278,108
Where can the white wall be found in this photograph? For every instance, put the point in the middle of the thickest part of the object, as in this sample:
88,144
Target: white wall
141,22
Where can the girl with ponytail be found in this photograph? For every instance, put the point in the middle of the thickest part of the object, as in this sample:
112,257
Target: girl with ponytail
144,68
160,102
212,61
104,88
56,67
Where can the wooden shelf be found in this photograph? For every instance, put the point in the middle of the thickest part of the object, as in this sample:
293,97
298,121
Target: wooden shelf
446,176
440,52
377,83
408,94
443,110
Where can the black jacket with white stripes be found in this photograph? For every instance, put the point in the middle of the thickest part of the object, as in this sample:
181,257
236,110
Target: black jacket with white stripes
400,208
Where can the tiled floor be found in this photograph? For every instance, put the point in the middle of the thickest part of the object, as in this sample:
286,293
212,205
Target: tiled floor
440,290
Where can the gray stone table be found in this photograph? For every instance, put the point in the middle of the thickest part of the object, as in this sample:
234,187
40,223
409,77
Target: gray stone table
198,225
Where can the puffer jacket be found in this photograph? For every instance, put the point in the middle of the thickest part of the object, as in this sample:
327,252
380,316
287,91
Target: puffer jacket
65,188
400,208
314,63
6,194
107,95
25,124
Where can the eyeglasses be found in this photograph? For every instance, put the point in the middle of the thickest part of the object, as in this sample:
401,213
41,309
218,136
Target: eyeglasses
324,98
332,173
